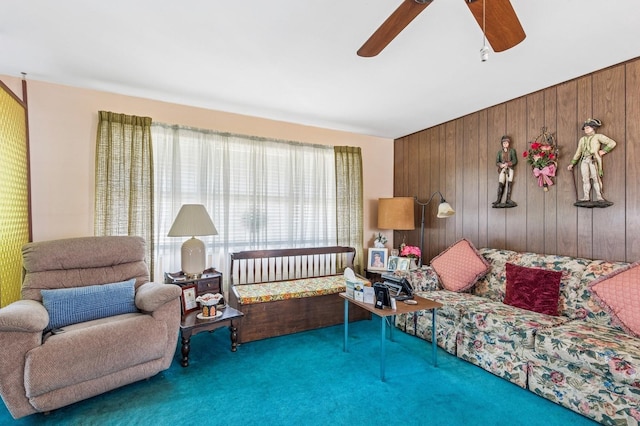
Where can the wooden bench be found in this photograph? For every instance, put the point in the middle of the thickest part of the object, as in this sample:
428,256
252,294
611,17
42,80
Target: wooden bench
290,290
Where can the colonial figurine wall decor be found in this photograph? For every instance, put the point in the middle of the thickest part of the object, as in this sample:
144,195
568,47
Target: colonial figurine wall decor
542,155
506,159
591,148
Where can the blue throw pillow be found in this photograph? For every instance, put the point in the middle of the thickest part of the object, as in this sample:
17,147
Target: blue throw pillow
68,306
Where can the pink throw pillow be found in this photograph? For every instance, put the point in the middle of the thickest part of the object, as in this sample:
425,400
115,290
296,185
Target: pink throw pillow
460,266
533,289
619,294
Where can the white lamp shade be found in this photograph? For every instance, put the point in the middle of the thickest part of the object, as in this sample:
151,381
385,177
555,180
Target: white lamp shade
192,220
445,210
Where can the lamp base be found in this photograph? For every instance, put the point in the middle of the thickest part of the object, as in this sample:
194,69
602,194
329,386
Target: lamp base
193,256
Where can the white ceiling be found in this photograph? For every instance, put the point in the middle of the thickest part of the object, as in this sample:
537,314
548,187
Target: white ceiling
295,60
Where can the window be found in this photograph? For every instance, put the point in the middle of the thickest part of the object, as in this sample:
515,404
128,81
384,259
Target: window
260,193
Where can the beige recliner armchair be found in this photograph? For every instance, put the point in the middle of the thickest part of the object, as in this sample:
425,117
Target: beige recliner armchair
42,370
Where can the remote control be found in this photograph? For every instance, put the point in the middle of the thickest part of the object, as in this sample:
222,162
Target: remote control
410,302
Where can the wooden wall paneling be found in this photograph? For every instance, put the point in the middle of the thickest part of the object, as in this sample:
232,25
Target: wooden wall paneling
609,106
632,149
400,173
430,142
470,166
460,161
418,170
585,216
443,185
399,170
417,178
496,220
449,153
436,225
423,187
551,196
567,140
516,217
483,173
532,195
459,169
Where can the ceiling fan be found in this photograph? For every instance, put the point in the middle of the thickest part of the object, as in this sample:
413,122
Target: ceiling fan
497,19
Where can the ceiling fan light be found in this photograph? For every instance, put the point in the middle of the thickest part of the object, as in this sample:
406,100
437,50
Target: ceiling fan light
484,53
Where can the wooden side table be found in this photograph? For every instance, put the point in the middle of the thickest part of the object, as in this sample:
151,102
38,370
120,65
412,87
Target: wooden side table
192,325
401,308
209,282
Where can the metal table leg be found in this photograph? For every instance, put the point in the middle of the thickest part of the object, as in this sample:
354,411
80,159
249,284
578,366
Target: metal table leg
434,343
346,325
383,336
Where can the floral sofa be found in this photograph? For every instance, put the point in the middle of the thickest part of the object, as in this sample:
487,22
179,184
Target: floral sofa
585,356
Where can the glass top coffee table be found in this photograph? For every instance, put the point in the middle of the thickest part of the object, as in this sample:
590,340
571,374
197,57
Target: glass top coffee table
401,308
192,325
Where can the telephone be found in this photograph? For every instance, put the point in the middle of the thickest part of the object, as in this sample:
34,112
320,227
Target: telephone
400,288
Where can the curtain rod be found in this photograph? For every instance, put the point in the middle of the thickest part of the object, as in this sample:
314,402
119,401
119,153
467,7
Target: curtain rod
237,135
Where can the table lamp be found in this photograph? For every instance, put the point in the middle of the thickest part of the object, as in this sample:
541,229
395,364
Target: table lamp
396,213
192,220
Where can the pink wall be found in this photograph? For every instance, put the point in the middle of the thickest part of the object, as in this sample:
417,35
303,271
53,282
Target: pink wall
63,122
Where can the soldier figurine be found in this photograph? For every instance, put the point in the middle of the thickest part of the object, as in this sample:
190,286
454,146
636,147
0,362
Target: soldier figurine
591,148
506,159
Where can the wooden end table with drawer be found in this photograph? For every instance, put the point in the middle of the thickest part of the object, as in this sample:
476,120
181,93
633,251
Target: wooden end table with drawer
209,282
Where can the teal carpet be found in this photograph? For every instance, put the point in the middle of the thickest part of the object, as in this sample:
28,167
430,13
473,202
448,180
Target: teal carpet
306,378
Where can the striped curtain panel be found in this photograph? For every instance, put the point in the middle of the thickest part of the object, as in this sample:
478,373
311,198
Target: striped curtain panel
124,201
349,210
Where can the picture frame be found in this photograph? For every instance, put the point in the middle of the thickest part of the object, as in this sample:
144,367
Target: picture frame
188,298
403,264
392,265
378,258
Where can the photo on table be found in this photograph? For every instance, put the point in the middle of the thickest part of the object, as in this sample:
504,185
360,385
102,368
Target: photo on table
378,258
403,264
393,263
188,298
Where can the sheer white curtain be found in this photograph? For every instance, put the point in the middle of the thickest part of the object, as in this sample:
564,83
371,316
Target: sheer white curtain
260,193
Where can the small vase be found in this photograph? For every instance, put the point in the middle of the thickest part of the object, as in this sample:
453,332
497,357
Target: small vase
413,264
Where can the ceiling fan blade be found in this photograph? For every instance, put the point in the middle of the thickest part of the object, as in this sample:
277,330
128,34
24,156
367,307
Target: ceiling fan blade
502,26
399,19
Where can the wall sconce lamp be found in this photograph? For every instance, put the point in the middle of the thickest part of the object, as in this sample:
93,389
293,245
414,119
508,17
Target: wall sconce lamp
192,220
444,210
396,214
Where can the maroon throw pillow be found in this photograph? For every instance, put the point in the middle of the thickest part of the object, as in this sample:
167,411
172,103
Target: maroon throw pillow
533,289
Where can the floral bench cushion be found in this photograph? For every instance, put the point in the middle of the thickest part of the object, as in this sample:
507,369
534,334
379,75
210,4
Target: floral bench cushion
600,349
507,322
292,289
